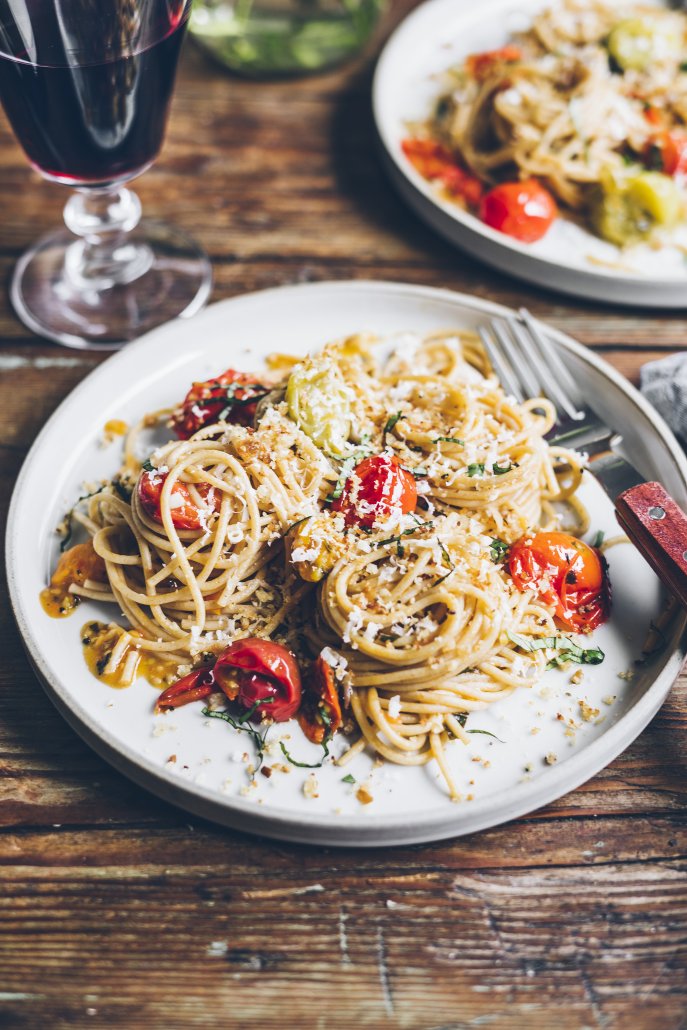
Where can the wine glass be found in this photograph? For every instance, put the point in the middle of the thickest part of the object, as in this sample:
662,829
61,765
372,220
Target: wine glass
86,86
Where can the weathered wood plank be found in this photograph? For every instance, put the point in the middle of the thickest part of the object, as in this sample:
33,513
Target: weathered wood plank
119,911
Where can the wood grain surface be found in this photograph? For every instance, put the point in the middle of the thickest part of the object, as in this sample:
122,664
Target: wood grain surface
119,911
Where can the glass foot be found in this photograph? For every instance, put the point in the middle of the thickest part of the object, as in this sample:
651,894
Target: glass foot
157,273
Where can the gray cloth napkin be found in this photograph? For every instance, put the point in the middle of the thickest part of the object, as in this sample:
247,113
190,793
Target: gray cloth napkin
664,384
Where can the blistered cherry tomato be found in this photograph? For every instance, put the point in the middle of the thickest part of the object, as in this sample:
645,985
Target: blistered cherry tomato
194,687
320,714
480,66
523,210
186,514
231,397
436,164
377,488
672,148
566,574
254,670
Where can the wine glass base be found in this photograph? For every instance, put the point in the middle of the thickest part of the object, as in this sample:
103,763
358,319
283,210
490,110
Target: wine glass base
172,280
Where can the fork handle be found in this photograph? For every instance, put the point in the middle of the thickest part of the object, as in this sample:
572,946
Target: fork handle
658,528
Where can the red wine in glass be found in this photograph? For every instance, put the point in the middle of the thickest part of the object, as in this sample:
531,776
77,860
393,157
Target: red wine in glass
86,86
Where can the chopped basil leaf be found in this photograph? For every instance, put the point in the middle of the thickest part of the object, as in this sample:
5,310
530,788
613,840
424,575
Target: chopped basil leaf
68,519
568,650
532,643
462,718
498,550
241,724
598,538
488,734
449,439
406,532
572,652
499,471
390,423
148,466
348,779
347,467
305,765
121,490
476,469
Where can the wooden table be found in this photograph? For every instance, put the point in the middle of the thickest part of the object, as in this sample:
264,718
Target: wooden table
119,911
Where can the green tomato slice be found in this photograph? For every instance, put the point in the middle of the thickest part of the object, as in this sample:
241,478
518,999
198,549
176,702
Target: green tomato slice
319,402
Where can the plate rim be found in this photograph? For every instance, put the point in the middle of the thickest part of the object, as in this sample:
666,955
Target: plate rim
318,827
465,230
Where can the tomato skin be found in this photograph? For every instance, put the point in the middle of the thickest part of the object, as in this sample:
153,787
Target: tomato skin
479,66
192,415
567,574
377,488
186,515
253,669
320,714
673,150
523,210
435,163
194,687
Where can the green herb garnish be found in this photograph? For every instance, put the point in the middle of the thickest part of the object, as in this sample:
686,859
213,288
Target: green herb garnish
348,779
532,643
306,765
598,538
390,423
498,550
572,652
476,469
241,723
66,540
347,467
449,439
148,466
121,490
406,532
501,471
568,650
447,561
488,734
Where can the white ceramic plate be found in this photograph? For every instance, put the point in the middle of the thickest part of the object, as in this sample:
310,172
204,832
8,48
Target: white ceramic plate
209,775
436,36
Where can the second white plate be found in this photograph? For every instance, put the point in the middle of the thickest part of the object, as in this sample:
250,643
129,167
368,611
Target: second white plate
439,34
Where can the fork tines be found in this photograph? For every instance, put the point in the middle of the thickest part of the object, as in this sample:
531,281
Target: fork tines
529,365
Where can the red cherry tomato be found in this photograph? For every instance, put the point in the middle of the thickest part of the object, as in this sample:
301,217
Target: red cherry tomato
435,163
672,147
194,687
231,397
377,488
480,66
320,714
185,513
254,670
567,574
524,210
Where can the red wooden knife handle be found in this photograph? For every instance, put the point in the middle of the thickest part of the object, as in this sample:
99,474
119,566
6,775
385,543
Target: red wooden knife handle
658,528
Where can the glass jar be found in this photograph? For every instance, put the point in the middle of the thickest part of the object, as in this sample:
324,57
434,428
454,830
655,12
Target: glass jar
283,37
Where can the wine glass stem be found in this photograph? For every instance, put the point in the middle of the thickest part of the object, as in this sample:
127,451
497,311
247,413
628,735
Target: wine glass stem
104,255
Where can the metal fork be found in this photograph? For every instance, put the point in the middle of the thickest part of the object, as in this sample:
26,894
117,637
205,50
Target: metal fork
528,364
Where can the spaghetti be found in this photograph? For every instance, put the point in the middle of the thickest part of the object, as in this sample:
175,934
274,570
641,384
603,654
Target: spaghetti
590,104
364,521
